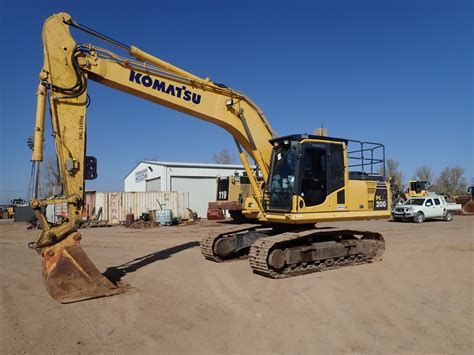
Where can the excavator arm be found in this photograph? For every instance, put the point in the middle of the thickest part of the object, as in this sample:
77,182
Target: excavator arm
308,181
68,273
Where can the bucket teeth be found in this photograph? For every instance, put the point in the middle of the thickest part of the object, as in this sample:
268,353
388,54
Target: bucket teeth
70,276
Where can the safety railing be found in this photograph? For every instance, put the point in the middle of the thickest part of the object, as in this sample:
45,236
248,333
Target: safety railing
368,157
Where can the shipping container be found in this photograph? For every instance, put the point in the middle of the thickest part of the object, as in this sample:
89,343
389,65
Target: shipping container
57,211
23,213
116,205
89,206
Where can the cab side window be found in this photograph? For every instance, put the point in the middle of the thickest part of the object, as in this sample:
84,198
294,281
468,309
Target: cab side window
429,202
336,168
437,202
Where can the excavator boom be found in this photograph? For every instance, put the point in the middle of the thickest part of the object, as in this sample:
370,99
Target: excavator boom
68,273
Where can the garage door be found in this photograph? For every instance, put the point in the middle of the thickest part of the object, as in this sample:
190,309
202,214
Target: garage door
153,184
201,190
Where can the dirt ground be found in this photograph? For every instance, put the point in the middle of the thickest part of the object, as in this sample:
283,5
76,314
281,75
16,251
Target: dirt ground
419,299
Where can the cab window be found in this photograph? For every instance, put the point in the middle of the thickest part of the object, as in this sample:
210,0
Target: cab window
437,202
314,175
429,202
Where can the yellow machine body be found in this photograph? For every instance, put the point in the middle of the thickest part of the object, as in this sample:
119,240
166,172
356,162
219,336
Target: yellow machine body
68,273
235,192
417,188
340,194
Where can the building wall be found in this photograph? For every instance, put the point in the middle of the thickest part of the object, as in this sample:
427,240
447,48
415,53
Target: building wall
200,193
136,180
153,184
201,190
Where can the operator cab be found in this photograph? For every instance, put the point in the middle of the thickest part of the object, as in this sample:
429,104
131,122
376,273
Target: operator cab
419,186
305,165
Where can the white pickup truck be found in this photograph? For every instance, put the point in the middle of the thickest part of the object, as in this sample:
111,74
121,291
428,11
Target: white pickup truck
419,209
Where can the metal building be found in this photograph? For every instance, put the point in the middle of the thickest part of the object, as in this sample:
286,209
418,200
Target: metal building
199,180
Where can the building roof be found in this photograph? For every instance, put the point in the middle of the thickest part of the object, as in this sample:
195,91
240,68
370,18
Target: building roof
189,165
194,165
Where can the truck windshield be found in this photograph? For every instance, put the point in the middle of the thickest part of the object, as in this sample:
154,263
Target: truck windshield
415,202
282,182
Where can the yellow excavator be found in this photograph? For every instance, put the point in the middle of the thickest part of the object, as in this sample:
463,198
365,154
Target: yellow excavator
231,192
416,188
306,178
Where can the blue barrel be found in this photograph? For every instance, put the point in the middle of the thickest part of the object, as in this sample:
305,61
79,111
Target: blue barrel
164,217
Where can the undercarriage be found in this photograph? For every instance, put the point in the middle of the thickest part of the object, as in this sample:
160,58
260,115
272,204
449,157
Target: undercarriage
278,254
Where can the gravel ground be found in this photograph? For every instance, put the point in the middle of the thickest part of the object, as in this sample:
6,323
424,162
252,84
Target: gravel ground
419,299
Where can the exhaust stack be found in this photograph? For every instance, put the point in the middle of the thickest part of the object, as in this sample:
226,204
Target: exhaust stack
323,132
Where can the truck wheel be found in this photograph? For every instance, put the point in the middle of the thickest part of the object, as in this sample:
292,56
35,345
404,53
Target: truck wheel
419,218
448,217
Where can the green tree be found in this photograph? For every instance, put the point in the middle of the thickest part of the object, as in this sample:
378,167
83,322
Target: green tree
392,171
223,157
452,181
50,178
424,173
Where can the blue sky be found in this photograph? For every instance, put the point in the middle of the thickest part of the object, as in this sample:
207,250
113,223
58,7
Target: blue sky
395,72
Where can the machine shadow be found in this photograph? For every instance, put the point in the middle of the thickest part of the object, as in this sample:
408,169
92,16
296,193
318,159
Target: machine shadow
115,273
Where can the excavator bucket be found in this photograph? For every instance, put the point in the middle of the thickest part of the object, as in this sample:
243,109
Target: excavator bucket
70,276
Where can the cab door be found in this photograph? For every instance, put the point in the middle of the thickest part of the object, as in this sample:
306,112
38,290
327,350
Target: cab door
430,209
322,174
438,208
